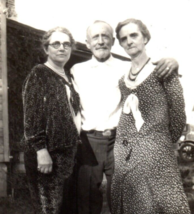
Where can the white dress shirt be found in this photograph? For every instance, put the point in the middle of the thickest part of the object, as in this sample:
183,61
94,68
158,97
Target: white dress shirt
97,85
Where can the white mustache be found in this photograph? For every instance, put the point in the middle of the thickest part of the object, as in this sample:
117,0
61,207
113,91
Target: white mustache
101,48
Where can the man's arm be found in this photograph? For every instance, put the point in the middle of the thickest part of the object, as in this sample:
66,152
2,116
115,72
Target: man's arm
165,67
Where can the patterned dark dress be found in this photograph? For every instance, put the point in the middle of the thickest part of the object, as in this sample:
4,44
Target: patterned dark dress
146,178
48,123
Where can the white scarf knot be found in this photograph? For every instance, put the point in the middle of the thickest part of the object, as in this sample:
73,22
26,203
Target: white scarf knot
132,105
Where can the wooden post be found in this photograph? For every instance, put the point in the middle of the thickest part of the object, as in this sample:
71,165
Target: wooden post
4,134
3,180
4,131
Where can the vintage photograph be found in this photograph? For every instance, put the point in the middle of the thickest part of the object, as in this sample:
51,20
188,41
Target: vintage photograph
96,107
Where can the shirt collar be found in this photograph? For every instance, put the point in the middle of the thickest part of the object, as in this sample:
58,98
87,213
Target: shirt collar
96,63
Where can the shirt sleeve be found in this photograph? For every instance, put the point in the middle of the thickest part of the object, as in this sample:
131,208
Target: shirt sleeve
176,104
34,116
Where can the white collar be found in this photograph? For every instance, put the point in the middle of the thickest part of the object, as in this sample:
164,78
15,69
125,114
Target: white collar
95,63
147,70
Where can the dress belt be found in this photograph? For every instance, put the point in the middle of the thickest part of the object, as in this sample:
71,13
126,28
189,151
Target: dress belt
107,132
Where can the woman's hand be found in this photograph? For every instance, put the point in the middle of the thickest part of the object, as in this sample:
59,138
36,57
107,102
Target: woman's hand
165,67
44,160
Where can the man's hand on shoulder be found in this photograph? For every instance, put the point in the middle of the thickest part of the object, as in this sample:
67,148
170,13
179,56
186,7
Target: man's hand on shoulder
165,67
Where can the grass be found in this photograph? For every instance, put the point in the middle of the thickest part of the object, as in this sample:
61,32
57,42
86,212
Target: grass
20,204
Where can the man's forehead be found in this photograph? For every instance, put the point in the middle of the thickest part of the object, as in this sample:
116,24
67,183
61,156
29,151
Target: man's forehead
99,27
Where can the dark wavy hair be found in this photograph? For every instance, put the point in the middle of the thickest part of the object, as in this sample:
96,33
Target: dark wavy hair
46,37
139,23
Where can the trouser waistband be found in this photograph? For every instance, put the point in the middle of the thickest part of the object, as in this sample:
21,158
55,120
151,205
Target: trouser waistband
107,132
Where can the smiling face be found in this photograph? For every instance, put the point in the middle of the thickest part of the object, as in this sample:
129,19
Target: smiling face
100,40
61,55
132,40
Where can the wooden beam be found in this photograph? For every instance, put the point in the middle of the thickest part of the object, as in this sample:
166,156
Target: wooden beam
3,180
1,160
1,149
3,46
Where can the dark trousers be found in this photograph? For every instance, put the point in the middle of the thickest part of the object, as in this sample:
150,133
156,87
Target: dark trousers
95,157
50,193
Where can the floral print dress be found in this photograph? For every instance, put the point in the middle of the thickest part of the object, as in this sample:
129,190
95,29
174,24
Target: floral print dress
146,178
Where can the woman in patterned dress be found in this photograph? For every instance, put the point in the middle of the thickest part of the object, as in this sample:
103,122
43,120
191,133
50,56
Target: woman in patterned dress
51,125
146,178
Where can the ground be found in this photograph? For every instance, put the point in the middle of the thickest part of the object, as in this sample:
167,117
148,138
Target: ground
20,203
19,200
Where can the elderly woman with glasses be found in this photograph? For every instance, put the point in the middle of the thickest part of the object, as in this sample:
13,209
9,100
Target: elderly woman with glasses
146,178
51,125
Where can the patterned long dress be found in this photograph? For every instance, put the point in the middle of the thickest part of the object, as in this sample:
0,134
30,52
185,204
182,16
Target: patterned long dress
48,123
146,178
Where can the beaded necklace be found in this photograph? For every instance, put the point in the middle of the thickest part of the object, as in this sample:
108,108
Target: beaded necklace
132,76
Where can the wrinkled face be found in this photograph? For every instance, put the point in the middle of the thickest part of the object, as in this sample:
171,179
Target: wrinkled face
59,55
132,40
100,41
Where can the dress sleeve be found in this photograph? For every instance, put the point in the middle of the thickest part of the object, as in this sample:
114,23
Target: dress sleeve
33,105
176,104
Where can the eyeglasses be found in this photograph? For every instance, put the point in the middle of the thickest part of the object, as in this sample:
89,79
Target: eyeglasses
57,45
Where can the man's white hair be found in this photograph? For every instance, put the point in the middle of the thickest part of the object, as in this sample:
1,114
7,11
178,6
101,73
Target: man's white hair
96,22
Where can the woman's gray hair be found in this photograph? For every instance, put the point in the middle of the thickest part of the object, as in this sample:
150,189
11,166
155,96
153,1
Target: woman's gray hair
47,35
139,23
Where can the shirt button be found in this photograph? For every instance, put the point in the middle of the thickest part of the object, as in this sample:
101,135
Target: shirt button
125,142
